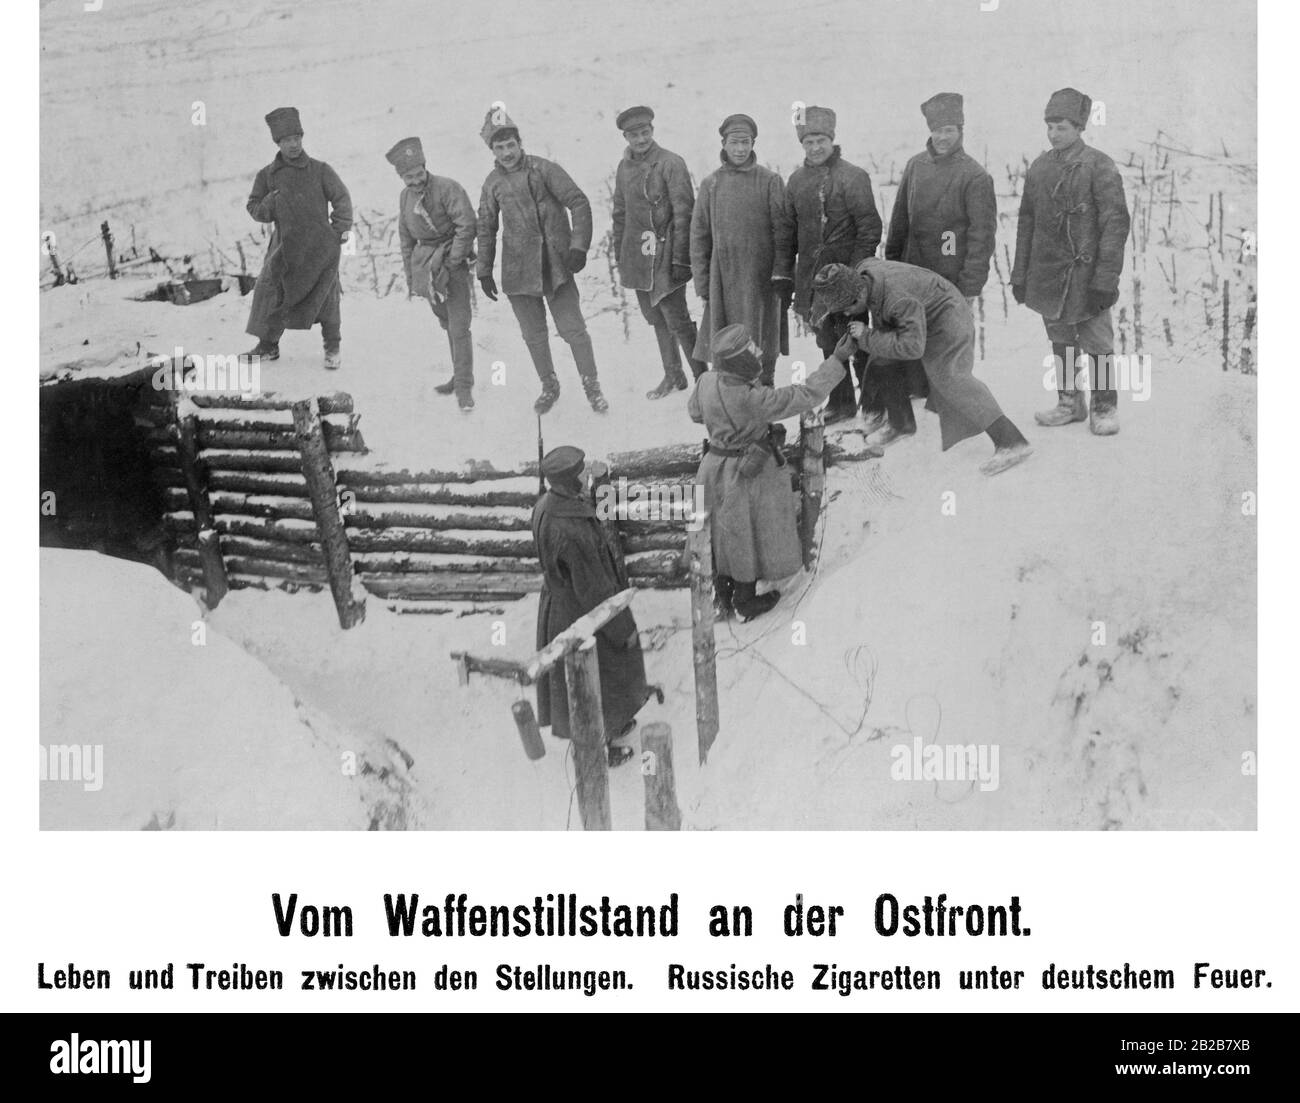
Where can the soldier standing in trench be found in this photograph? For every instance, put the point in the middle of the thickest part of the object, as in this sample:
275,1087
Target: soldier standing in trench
581,568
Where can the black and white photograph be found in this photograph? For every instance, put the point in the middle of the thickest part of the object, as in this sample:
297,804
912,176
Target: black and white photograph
648,416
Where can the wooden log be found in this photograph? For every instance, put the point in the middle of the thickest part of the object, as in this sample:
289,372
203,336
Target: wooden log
518,545
661,810
437,517
238,459
587,730
581,629
421,563
1225,293
359,474
215,585
193,578
253,482
336,440
270,421
252,505
655,541
812,484
247,547
663,564
703,655
319,475
250,566
655,463
338,402
505,492
447,585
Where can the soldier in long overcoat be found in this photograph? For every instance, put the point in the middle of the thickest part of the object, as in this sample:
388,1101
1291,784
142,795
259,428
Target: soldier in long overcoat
915,314
312,213
831,217
945,217
436,226
739,214
581,567
1074,221
750,506
653,201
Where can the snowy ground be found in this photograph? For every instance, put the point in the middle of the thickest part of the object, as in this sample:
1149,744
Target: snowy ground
973,627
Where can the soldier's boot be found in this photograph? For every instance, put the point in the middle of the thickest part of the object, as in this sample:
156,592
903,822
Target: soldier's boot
674,380
687,337
550,392
265,350
1010,447
466,403
446,388
1104,416
1070,407
724,588
596,397
749,604
333,357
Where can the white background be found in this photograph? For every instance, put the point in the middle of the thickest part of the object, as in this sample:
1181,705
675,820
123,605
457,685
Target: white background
1155,900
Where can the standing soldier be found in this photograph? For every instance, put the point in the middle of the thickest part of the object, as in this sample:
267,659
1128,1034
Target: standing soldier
945,217
436,227
915,314
831,218
746,491
581,567
653,200
312,213
1074,221
739,215
531,200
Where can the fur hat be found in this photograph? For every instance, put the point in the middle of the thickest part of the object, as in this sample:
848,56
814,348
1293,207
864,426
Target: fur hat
816,120
406,156
283,122
494,122
1069,104
945,109
835,287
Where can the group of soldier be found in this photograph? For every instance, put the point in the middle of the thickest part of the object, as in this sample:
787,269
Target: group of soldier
754,247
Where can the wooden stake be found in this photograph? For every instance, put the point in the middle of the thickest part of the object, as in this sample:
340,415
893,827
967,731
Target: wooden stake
323,492
587,730
529,733
1225,319
107,235
813,483
699,544
661,811
215,583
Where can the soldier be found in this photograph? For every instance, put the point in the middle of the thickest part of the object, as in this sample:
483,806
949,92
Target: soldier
945,218
739,214
581,567
746,491
1074,221
436,227
531,200
312,213
653,200
918,315
831,217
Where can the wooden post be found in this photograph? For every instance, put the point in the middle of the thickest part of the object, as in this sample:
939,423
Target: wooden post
1225,322
699,547
813,481
185,420
587,730
323,492
661,811
107,235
